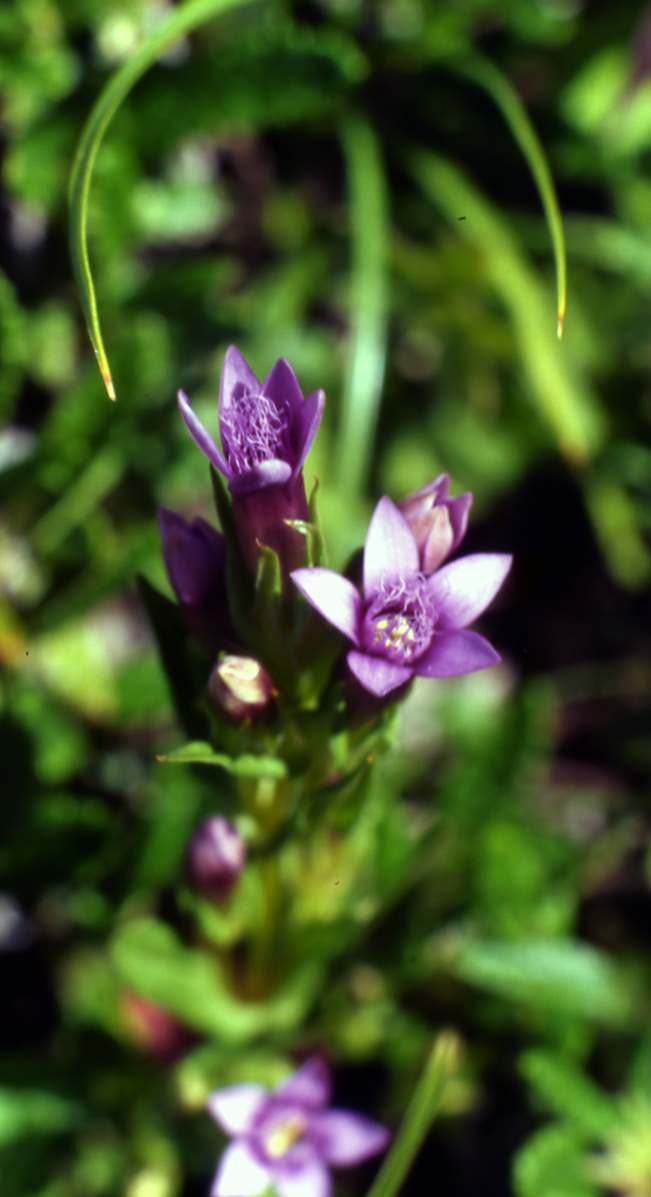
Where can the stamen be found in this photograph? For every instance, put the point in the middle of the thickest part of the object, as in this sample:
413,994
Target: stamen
254,430
283,1135
400,621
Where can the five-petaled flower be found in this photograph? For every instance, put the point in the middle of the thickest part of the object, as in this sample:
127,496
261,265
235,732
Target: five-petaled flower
266,431
438,522
287,1138
407,623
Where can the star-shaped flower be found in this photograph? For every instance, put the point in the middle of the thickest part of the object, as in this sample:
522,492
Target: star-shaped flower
406,623
287,1138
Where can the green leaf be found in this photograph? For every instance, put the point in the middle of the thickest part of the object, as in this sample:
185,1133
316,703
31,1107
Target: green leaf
369,304
28,1112
551,1165
188,983
201,753
563,976
421,1112
486,75
181,21
566,1091
172,641
315,550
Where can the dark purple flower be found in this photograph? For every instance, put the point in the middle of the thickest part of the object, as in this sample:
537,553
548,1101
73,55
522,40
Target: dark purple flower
287,1139
266,431
437,522
215,857
407,623
195,560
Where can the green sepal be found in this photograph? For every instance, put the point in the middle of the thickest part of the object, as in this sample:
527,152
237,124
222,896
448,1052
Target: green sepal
185,678
315,549
238,580
200,752
268,578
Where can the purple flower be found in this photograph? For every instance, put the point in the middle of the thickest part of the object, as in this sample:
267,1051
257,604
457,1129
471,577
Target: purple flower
266,431
195,560
437,522
287,1138
407,623
215,857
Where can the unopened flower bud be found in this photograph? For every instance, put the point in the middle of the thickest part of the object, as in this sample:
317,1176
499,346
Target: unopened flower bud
240,688
438,523
152,1029
215,858
195,560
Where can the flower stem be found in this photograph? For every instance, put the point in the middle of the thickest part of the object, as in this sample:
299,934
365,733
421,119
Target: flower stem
421,1112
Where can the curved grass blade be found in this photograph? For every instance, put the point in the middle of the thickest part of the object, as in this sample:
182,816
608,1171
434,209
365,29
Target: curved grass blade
369,303
482,72
421,1112
182,21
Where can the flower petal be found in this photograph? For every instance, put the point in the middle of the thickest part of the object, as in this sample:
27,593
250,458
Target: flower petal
311,1179
377,675
282,387
310,1085
333,596
459,510
464,588
240,1174
430,495
455,652
390,552
306,423
236,1108
344,1138
202,438
268,473
236,378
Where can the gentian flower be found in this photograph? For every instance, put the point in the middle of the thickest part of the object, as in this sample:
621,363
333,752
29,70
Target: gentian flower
437,522
215,857
195,560
406,623
266,431
240,688
287,1138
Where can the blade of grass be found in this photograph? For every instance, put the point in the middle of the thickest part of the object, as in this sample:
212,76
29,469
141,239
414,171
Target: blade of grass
181,22
485,75
421,1112
566,402
369,303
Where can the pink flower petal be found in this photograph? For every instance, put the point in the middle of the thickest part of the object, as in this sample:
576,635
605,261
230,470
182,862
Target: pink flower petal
312,1179
282,387
459,510
390,551
309,1086
377,675
236,1107
333,596
464,588
240,1174
455,652
306,423
202,438
236,377
344,1139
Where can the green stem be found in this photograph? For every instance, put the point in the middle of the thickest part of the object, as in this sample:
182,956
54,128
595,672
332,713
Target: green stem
421,1112
181,22
369,303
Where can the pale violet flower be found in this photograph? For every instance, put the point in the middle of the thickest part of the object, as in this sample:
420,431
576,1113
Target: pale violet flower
287,1139
406,623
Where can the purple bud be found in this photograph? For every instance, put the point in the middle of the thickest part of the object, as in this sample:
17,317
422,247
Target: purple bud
195,560
240,688
215,857
437,522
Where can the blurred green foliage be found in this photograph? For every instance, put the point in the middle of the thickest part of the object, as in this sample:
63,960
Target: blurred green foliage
493,875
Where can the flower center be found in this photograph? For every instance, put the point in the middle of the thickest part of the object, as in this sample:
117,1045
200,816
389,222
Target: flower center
400,621
283,1134
253,430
